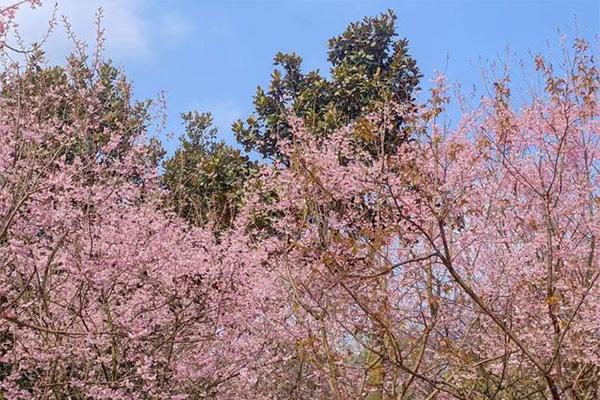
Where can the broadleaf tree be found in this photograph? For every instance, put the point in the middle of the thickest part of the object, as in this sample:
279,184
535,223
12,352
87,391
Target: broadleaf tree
205,177
370,67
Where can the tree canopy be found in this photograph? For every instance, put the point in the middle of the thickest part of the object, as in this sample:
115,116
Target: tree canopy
461,264
370,67
205,177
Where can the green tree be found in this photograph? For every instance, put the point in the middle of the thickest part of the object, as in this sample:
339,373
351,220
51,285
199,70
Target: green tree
205,177
370,67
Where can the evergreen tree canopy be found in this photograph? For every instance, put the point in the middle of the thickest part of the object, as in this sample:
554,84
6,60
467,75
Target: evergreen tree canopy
370,67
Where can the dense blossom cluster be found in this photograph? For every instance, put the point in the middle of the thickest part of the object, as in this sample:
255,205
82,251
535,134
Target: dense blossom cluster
462,265
101,294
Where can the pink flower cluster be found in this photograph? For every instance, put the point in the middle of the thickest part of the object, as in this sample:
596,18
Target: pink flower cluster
464,265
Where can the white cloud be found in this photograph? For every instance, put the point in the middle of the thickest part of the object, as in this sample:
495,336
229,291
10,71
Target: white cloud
128,24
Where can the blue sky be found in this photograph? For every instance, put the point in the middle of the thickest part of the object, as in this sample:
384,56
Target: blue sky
211,55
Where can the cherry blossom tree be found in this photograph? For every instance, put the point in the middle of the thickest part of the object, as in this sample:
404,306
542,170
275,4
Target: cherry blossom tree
462,267
102,294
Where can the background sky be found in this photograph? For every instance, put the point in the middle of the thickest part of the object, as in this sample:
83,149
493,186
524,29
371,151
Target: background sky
211,55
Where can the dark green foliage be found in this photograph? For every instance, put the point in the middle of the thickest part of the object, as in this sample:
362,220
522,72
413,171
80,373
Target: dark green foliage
205,177
369,68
